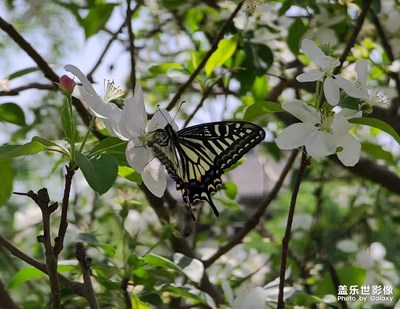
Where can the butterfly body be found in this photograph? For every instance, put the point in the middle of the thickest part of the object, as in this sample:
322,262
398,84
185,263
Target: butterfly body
197,156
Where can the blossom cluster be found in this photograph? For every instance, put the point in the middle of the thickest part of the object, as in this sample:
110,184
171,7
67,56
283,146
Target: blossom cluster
128,124
324,129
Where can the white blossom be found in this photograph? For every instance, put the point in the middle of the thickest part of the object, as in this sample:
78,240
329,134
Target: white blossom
326,66
321,134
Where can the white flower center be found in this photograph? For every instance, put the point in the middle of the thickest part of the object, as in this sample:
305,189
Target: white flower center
377,98
111,92
330,64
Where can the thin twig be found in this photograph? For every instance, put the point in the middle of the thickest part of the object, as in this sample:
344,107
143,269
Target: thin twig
85,263
205,95
76,287
388,49
16,91
127,298
62,229
131,36
42,64
42,199
106,48
203,62
286,238
255,218
354,34
334,276
26,47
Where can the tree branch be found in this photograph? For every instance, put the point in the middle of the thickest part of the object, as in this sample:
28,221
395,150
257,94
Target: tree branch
388,49
42,199
131,35
74,286
85,263
16,91
42,64
285,241
62,229
203,62
103,54
356,30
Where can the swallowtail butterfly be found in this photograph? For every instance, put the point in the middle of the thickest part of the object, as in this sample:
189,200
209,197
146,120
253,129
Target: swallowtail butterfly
197,156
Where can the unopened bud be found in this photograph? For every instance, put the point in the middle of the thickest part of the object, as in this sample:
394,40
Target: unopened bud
67,84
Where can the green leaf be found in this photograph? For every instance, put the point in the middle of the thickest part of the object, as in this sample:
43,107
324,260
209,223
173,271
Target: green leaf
8,152
92,240
156,260
97,18
349,102
226,48
38,144
193,18
100,171
377,123
258,58
137,303
163,68
347,276
50,145
22,72
29,273
12,113
6,181
305,300
109,145
230,189
376,152
130,174
260,88
185,292
296,31
66,123
192,268
260,108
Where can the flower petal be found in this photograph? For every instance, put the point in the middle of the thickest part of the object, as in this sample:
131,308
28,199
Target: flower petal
137,155
351,89
331,91
320,144
78,73
361,69
98,107
153,177
340,125
310,76
295,135
115,128
160,119
313,52
134,116
302,111
350,155
350,113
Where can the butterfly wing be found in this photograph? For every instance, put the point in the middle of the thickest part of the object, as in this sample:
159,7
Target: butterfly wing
197,156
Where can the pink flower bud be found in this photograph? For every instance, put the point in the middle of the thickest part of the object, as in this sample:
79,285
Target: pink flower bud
67,84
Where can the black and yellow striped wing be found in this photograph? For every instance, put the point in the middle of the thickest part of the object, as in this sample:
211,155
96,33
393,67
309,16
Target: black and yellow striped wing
197,156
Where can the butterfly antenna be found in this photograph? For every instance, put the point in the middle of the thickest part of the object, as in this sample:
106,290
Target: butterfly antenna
179,108
158,106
